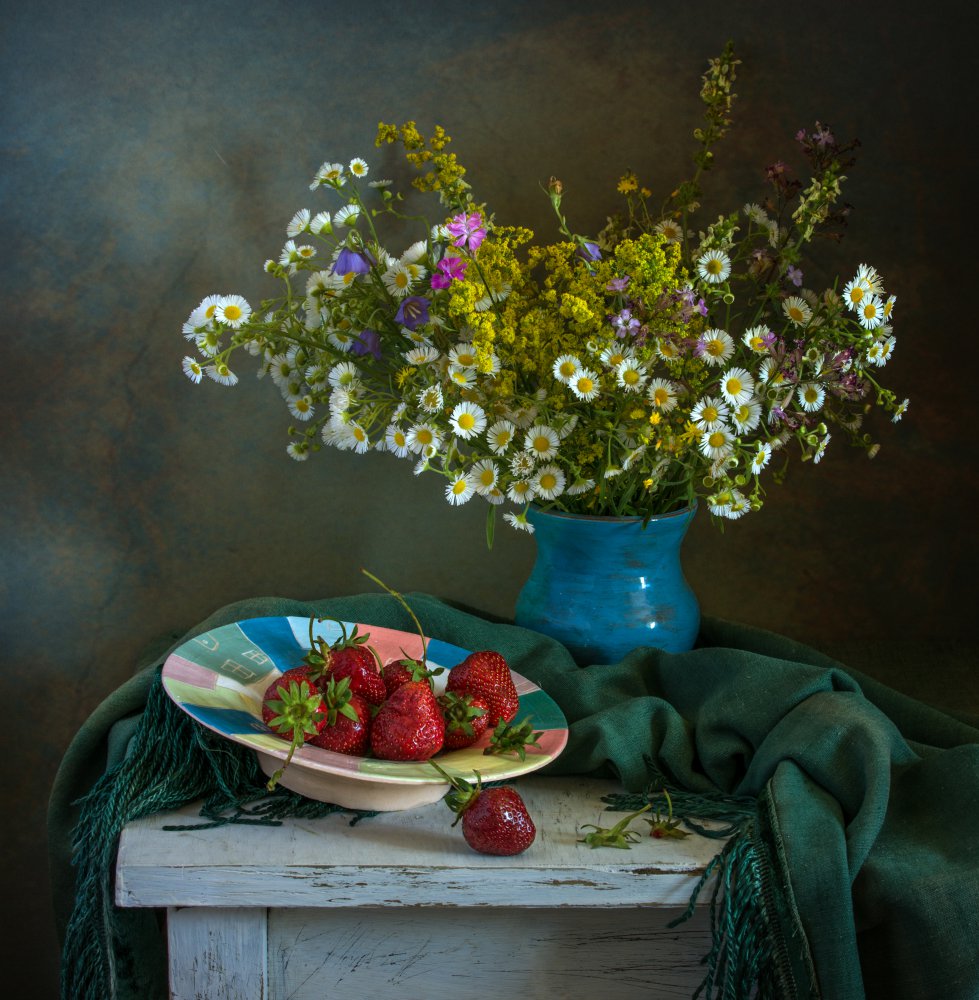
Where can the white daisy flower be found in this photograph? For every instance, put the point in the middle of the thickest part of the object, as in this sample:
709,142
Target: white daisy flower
430,399
465,378
396,441
568,426
330,174
397,280
580,486
467,420
495,496
192,369
416,336
519,521
424,354
720,503
811,396
541,441
667,350
298,450
463,356
321,224
709,413
870,279
499,436
302,408
584,385
871,312
900,410
342,340
208,308
459,489
345,374
484,475
361,440
746,416
630,375
887,349
522,464
714,266
715,347
379,184
770,373
520,491
282,368
611,471
299,223
417,252
670,230
423,439
548,482
797,310
346,216
756,339
761,457
565,367
233,311
717,443
855,291
615,354
221,374
888,307
737,386
756,214
738,507
820,449
358,167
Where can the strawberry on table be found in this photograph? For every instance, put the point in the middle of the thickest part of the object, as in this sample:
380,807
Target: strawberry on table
485,674
494,820
409,725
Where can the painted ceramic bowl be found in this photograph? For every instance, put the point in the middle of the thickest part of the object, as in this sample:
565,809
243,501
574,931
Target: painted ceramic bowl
219,678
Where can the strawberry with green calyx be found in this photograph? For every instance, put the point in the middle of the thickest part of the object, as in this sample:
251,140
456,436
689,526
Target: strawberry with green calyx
349,656
486,675
466,719
295,711
515,738
616,836
494,820
398,672
409,725
666,828
348,720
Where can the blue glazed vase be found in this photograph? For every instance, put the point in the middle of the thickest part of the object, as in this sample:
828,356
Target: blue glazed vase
604,585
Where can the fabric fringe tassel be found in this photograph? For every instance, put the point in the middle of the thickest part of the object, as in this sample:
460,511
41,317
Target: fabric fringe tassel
111,953
746,955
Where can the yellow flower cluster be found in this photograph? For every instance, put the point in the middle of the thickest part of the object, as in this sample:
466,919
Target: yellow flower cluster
445,174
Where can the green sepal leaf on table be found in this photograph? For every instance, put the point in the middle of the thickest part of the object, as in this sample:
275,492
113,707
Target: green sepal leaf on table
668,828
617,836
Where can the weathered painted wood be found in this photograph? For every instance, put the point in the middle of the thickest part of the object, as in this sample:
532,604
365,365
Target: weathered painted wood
410,858
469,954
218,953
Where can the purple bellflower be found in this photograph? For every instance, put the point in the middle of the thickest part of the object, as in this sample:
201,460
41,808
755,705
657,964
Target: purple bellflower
369,342
353,262
412,312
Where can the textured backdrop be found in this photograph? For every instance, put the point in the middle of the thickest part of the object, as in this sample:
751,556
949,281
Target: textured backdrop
153,153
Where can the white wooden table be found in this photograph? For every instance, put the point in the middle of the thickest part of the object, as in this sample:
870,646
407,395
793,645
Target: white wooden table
400,906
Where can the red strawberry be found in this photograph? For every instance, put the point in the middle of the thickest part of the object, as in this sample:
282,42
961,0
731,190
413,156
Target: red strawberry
409,725
293,708
486,675
466,718
359,665
494,820
348,719
405,669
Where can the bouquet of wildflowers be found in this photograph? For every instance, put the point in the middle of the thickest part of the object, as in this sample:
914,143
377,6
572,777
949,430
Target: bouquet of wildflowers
626,373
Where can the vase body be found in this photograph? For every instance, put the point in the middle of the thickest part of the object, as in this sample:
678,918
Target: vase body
604,585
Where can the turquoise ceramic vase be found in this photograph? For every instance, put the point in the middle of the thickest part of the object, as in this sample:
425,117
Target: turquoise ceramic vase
604,585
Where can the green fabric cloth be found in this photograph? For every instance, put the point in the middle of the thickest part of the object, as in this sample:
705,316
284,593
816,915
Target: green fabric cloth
864,804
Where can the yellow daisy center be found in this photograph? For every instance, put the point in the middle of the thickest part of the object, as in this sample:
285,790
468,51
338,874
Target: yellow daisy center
717,439
486,477
399,439
459,486
232,312
585,386
734,386
870,310
661,397
502,438
520,488
811,394
424,436
715,348
795,313
465,359
710,414
567,369
541,443
856,293
548,481
467,421
211,310
630,376
360,434
401,279
714,266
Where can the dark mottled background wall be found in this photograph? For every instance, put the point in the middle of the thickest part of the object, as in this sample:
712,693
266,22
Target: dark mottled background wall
153,153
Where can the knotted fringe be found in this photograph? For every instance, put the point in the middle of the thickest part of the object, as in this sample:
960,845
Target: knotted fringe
114,953
747,956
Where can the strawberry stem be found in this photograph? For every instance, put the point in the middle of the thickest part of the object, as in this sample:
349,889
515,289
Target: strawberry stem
404,604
